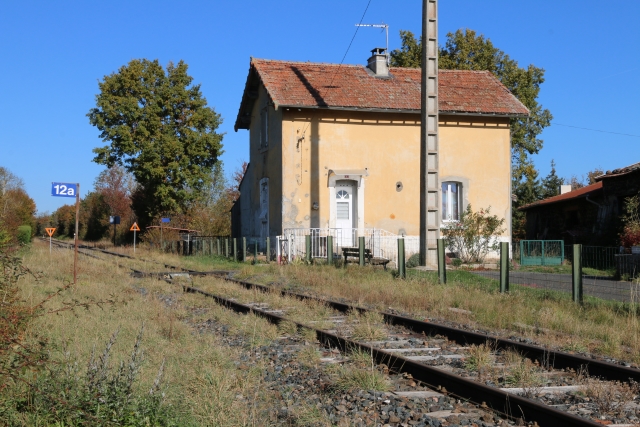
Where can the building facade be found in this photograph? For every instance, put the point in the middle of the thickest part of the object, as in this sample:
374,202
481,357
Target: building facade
337,146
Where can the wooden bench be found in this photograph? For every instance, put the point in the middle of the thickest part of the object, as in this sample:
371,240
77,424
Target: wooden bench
352,254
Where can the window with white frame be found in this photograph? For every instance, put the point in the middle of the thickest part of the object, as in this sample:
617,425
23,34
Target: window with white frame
264,127
451,200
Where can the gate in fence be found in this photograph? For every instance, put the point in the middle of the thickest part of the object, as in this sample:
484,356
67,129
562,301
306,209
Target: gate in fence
541,252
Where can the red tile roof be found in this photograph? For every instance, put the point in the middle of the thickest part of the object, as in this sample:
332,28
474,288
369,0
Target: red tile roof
319,85
580,192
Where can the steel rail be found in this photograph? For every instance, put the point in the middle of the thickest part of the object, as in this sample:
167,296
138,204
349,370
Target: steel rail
557,359
500,401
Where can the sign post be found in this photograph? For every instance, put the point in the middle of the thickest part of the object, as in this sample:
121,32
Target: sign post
115,220
61,189
134,228
50,232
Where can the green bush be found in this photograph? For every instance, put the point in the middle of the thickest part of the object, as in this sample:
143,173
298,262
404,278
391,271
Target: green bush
475,235
413,261
24,234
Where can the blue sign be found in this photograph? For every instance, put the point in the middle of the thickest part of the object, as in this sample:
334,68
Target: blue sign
61,189
165,220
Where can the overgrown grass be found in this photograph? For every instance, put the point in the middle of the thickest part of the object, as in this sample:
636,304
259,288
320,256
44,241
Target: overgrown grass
201,382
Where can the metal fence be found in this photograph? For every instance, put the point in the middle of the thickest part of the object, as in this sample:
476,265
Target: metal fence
541,252
605,274
381,243
596,257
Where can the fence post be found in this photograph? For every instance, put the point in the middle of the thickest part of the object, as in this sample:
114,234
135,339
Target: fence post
244,249
226,247
576,267
307,247
218,248
255,251
361,247
290,242
329,250
235,249
504,267
267,251
442,262
402,271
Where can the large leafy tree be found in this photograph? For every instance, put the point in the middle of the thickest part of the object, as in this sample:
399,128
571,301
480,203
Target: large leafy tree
160,128
116,186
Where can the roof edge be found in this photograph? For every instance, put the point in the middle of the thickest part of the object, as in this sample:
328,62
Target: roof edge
403,111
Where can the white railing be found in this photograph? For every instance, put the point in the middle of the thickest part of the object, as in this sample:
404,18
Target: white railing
382,243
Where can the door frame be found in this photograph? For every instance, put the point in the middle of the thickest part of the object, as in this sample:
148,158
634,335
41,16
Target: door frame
348,175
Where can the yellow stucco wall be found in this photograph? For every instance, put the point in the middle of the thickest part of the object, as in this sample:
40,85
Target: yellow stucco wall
265,162
474,151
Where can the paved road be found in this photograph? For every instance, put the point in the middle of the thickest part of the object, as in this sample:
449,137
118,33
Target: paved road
601,287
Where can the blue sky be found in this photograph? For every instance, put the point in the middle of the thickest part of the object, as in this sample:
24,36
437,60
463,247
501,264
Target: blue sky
54,53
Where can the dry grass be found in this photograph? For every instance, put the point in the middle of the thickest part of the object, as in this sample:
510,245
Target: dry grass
367,327
309,356
353,378
609,396
201,380
480,358
609,329
521,372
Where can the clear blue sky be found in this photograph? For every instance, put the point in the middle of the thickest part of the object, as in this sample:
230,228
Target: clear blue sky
54,53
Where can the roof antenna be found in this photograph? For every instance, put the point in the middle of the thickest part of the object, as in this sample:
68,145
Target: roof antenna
386,28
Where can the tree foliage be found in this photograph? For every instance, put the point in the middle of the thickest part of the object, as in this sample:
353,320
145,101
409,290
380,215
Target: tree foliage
159,127
16,207
586,179
550,185
630,235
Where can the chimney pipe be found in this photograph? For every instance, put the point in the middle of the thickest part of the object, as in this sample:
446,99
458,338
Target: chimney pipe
378,62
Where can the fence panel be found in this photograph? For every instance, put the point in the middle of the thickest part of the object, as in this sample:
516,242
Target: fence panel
541,252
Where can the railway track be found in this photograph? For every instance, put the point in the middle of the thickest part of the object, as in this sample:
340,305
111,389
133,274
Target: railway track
430,361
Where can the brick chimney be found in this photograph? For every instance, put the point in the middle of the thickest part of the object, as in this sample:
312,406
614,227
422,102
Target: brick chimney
378,62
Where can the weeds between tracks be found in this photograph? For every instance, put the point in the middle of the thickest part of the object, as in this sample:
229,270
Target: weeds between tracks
608,329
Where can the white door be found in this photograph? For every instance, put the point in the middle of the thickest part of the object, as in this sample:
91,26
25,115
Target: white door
344,213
